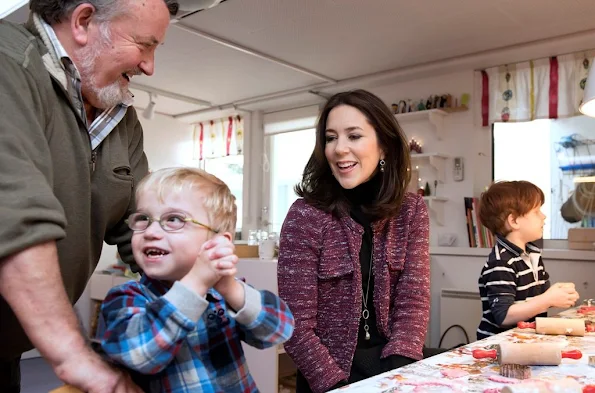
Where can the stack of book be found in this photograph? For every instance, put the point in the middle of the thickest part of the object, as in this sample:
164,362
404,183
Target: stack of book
478,235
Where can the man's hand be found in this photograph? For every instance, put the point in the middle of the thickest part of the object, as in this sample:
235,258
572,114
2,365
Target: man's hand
87,372
31,283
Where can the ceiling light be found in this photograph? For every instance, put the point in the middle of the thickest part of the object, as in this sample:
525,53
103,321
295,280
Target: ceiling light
149,112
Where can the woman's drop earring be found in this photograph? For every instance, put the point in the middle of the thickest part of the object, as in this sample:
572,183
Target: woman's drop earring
382,163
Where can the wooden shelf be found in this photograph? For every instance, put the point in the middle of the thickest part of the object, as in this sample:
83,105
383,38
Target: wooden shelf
455,110
427,155
436,207
434,116
437,161
435,199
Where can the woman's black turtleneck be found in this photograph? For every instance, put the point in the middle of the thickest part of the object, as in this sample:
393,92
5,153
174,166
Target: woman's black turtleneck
366,360
364,195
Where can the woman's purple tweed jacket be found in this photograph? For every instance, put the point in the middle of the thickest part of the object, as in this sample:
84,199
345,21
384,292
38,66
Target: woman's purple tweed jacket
320,279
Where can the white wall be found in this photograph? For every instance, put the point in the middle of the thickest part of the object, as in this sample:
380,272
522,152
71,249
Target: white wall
168,142
461,137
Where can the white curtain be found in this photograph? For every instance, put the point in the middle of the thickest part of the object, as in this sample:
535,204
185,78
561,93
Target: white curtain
537,89
219,138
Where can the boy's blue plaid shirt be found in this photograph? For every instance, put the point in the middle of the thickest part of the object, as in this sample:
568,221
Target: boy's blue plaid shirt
187,343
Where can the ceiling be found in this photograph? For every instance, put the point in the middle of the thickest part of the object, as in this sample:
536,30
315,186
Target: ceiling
332,41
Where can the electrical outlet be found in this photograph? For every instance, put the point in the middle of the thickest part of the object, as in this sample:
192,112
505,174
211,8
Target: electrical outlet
458,169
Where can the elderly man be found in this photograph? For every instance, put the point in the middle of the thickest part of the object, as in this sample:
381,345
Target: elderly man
71,152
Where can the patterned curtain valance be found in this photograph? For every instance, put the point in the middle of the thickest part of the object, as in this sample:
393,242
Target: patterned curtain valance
219,138
537,89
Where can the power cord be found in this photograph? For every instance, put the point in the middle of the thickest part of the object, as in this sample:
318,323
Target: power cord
447,330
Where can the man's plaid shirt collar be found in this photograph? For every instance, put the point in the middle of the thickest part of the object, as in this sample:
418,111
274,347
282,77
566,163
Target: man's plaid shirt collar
109,118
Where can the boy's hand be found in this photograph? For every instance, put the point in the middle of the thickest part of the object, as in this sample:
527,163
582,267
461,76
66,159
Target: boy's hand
215,255
232,291
221,252
562,295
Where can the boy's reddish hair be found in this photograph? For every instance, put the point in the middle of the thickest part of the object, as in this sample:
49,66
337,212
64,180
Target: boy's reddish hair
508,197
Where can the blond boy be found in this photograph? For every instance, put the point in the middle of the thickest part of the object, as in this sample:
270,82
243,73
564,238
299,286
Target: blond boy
181,326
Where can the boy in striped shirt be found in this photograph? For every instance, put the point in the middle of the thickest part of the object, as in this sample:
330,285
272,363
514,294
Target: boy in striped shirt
180,329
513,284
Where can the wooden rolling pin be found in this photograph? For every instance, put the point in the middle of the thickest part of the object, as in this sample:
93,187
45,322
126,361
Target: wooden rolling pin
586,309
589,327
562,326
528,354
66,389
566,385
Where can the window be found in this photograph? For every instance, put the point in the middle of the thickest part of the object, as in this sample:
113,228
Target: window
289,137
552,154
289,153
229,169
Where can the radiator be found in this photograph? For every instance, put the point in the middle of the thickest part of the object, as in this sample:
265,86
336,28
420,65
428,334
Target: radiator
459,308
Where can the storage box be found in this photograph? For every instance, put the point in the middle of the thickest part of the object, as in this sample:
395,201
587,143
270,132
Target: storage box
581,238
246,251
581,235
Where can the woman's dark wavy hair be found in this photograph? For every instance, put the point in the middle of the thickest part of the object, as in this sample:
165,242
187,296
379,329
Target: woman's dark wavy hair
320,188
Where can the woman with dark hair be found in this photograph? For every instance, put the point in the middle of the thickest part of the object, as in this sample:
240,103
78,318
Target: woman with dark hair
353,259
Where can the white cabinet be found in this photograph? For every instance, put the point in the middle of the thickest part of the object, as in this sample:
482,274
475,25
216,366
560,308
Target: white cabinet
268,365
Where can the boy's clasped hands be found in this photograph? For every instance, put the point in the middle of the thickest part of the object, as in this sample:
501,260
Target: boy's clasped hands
216,268
562,295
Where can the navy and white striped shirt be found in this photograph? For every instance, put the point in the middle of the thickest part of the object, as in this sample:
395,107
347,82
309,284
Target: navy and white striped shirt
509,276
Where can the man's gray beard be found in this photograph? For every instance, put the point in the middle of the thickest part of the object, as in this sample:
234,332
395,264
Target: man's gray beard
107,96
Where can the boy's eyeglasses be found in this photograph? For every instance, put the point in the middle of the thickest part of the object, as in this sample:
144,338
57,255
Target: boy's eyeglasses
170,222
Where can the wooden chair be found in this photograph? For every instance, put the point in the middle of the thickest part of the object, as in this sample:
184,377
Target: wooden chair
66,389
